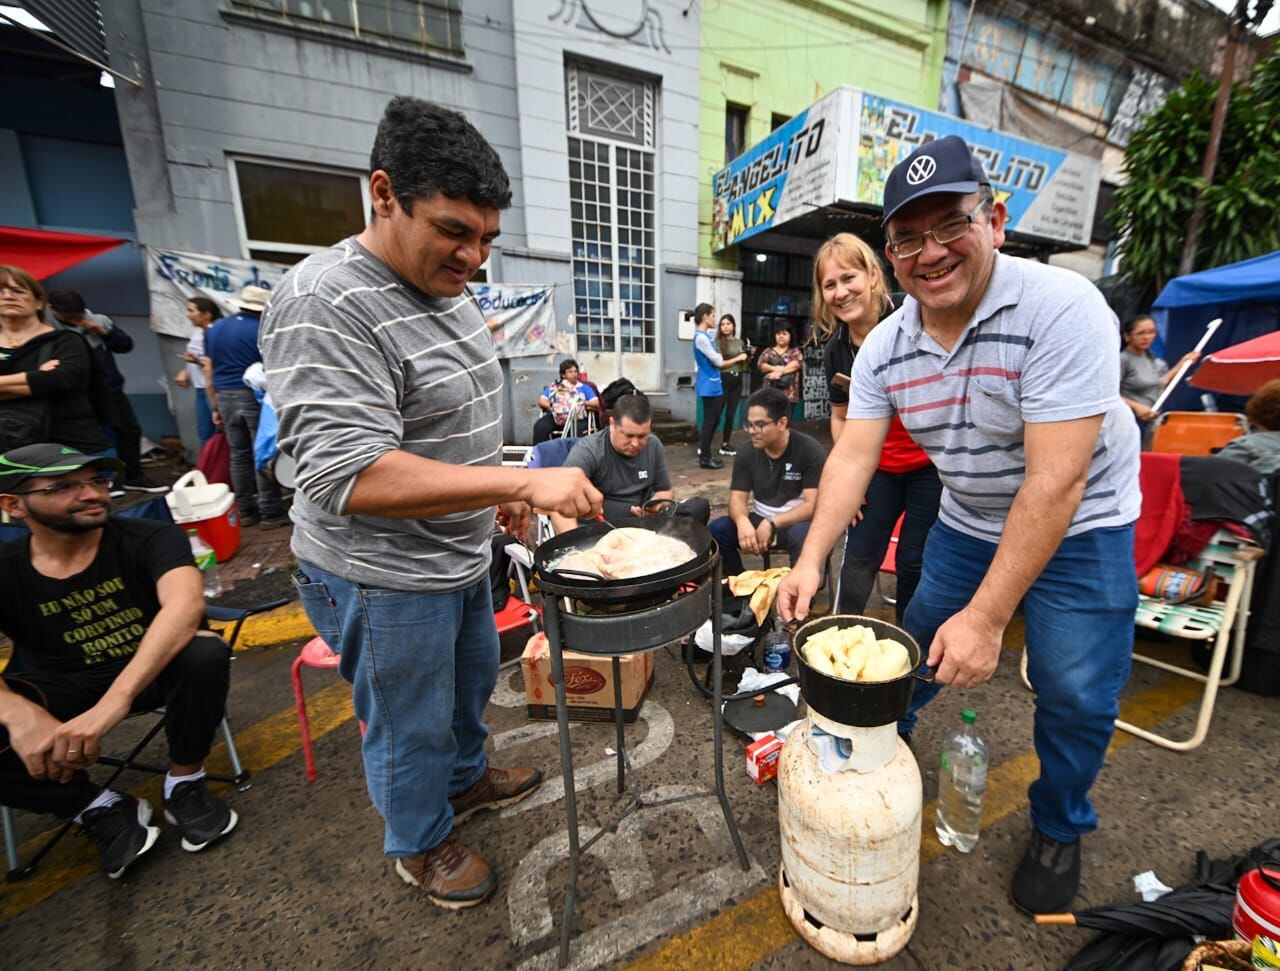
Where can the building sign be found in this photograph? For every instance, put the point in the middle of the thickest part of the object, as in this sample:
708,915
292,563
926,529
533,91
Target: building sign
1048,192
840,152
789,173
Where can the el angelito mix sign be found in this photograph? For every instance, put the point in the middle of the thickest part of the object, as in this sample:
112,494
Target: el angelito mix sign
842,148
787,174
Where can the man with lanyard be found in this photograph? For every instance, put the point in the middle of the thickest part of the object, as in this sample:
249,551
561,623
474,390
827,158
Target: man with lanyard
774,485
1004,370
628,464
389,395
105,616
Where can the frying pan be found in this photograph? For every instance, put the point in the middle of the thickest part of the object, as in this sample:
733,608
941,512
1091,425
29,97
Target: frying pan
862,704
591,588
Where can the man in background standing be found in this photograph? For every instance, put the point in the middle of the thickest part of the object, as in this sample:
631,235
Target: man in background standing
107,340
231,344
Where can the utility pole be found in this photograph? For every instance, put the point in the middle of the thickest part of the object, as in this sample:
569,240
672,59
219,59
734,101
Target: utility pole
1241,20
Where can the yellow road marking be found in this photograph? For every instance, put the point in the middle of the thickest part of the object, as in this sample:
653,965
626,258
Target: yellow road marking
261,745
748,933
287,623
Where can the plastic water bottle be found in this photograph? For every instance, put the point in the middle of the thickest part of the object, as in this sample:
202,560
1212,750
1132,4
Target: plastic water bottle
777,651
962,782
207,561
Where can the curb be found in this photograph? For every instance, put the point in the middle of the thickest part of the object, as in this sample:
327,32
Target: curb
287,623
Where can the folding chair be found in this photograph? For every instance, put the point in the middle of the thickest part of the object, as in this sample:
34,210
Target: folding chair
1225,623
240,777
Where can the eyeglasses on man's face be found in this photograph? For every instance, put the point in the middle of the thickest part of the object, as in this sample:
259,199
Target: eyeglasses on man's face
947,231
98,483
757,426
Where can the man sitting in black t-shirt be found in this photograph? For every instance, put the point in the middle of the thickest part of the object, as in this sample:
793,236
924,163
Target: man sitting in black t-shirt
628,464
105,617
774,486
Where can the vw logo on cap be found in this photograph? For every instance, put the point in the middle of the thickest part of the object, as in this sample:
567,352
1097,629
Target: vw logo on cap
921,170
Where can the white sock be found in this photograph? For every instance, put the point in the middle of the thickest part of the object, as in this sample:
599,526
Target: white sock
107,797
171,780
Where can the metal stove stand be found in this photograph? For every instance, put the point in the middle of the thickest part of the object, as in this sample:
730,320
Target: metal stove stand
611,636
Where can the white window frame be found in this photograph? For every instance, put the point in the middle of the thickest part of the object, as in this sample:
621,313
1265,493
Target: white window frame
247,244
649,147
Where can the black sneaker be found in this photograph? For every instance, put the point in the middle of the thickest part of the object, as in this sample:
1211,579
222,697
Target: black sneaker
710,462
728,450
249,519
199,816
274,522
122,831
140,483
1048,877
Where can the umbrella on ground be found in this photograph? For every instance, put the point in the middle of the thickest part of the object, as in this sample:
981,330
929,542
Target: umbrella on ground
1158,935
1242,368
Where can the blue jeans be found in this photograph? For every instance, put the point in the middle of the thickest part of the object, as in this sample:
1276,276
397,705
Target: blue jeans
1079,615
204,417
422,667
725,532
889,495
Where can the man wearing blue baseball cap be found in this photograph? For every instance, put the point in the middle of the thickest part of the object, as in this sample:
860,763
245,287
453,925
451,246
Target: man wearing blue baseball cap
1004,370
105,616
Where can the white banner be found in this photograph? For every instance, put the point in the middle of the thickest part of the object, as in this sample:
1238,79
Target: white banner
522,318
174,276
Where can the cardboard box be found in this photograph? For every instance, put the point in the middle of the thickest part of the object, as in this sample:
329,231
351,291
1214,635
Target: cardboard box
762,758
588,683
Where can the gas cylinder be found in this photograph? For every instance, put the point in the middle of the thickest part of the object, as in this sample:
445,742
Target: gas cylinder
850,842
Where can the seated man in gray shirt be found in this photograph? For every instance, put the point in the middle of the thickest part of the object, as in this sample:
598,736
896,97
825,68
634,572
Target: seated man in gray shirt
627,463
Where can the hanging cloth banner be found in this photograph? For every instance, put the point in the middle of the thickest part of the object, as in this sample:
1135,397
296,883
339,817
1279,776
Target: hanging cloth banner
173,277
522,319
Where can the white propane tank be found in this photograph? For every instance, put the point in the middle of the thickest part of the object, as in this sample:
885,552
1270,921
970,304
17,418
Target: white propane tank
850,843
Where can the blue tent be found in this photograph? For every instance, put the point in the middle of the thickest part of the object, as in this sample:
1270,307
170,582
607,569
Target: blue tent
1245,295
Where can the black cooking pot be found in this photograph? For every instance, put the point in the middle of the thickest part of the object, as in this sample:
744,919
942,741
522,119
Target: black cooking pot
591,588
862,704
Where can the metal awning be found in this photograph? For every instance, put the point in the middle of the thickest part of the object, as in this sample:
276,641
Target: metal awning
72,26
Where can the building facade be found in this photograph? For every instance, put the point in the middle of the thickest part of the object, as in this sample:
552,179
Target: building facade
250,139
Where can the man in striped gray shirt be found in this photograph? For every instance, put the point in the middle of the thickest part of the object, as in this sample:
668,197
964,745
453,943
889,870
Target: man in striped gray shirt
388,391
1005,372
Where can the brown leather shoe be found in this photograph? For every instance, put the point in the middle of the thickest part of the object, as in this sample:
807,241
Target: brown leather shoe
451,875
493,790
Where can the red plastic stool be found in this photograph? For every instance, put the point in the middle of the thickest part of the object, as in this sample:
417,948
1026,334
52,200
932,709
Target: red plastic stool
314,654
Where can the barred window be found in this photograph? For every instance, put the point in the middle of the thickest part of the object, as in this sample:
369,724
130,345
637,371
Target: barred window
428,26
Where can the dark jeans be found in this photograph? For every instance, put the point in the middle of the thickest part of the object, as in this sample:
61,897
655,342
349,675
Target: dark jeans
695,508
204,417
890,495
725,532
422,667
128,435
544,428
712,407
240,411
732,394
192,689
1079,615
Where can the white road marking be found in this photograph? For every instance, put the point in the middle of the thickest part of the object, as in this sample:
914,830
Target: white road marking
623,854
662,731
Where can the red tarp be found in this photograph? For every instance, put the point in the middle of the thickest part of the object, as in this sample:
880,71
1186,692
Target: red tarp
42,253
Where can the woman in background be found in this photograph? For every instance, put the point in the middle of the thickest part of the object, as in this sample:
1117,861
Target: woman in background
783,364
1143,375
197,372
849,298
736,356
558,401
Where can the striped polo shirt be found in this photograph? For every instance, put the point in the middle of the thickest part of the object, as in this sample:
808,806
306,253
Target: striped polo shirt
1041,347
360,363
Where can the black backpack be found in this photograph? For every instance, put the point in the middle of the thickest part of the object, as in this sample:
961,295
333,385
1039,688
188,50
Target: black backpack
615,390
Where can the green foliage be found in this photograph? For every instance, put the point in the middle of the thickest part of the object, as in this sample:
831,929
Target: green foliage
1162,167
